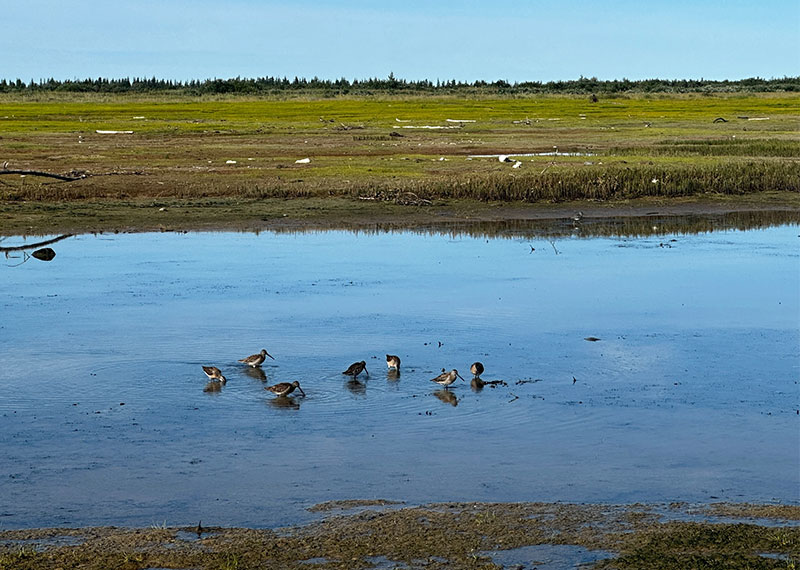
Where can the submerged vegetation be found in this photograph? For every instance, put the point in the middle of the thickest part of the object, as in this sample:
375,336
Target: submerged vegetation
412,151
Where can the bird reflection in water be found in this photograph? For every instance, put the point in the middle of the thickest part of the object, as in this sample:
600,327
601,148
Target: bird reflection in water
447,397
356,387
285,402
256,373
477,384
393,374
213,386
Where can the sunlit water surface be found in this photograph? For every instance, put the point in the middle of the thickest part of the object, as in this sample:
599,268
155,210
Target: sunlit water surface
691,393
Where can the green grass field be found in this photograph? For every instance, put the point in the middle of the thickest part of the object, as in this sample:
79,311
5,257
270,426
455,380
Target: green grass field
399,149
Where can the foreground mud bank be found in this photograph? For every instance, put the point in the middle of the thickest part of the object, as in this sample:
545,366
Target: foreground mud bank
385,534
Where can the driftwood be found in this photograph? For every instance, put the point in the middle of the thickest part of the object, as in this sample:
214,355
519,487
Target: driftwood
63,177
34,245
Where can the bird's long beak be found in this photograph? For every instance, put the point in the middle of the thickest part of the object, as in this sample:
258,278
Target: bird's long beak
367,371
301,391
459,375
268,354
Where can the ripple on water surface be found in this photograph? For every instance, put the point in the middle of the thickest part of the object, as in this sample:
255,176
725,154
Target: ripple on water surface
102,351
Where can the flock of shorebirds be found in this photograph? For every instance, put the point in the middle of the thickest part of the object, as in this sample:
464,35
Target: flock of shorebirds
283,389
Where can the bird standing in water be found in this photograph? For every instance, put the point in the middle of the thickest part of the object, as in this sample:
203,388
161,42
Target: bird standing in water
392,361
476,369
447,378
214,374
256,359
285,388
356,368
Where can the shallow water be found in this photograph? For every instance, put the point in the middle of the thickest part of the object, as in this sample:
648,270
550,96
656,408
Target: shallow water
690,395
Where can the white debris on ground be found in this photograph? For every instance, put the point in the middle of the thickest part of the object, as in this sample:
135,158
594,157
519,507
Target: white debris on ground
428,127
505,157
302,161
139,118
461,121
230,162
100,132
517,164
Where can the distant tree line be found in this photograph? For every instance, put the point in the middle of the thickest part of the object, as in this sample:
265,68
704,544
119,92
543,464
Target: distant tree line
391,84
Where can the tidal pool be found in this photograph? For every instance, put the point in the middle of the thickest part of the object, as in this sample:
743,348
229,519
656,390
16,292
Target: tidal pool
690,393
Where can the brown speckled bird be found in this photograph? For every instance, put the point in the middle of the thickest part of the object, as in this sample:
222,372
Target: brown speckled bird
447,378
285,388
257,359
356,368
214,373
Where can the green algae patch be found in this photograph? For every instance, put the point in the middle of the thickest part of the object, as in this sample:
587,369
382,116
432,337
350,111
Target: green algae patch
437,536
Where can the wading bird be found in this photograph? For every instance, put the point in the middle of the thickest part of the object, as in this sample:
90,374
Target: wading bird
447,378
285,388
392,361
257,359
214,374
356,368
476,369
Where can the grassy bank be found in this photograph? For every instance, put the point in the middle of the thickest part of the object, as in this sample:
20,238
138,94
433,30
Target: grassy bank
398,150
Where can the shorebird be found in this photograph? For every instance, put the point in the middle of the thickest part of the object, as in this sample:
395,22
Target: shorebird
577,217
214,374
447,378
285,388
476,369
257,359
356,368
392,361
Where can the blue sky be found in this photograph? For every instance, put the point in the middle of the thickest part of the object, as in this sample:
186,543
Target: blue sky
414,39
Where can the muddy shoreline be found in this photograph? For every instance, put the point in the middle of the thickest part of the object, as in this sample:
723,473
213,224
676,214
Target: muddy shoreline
380,534
314,214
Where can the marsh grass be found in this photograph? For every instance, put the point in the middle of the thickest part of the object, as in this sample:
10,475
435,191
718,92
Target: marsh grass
719,147
245,148
612,183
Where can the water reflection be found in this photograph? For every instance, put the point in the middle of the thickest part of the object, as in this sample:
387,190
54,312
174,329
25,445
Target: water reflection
393,374
40,253
213,386
44,254
447,397
650,224
477,384
285,403
255,373
356,387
